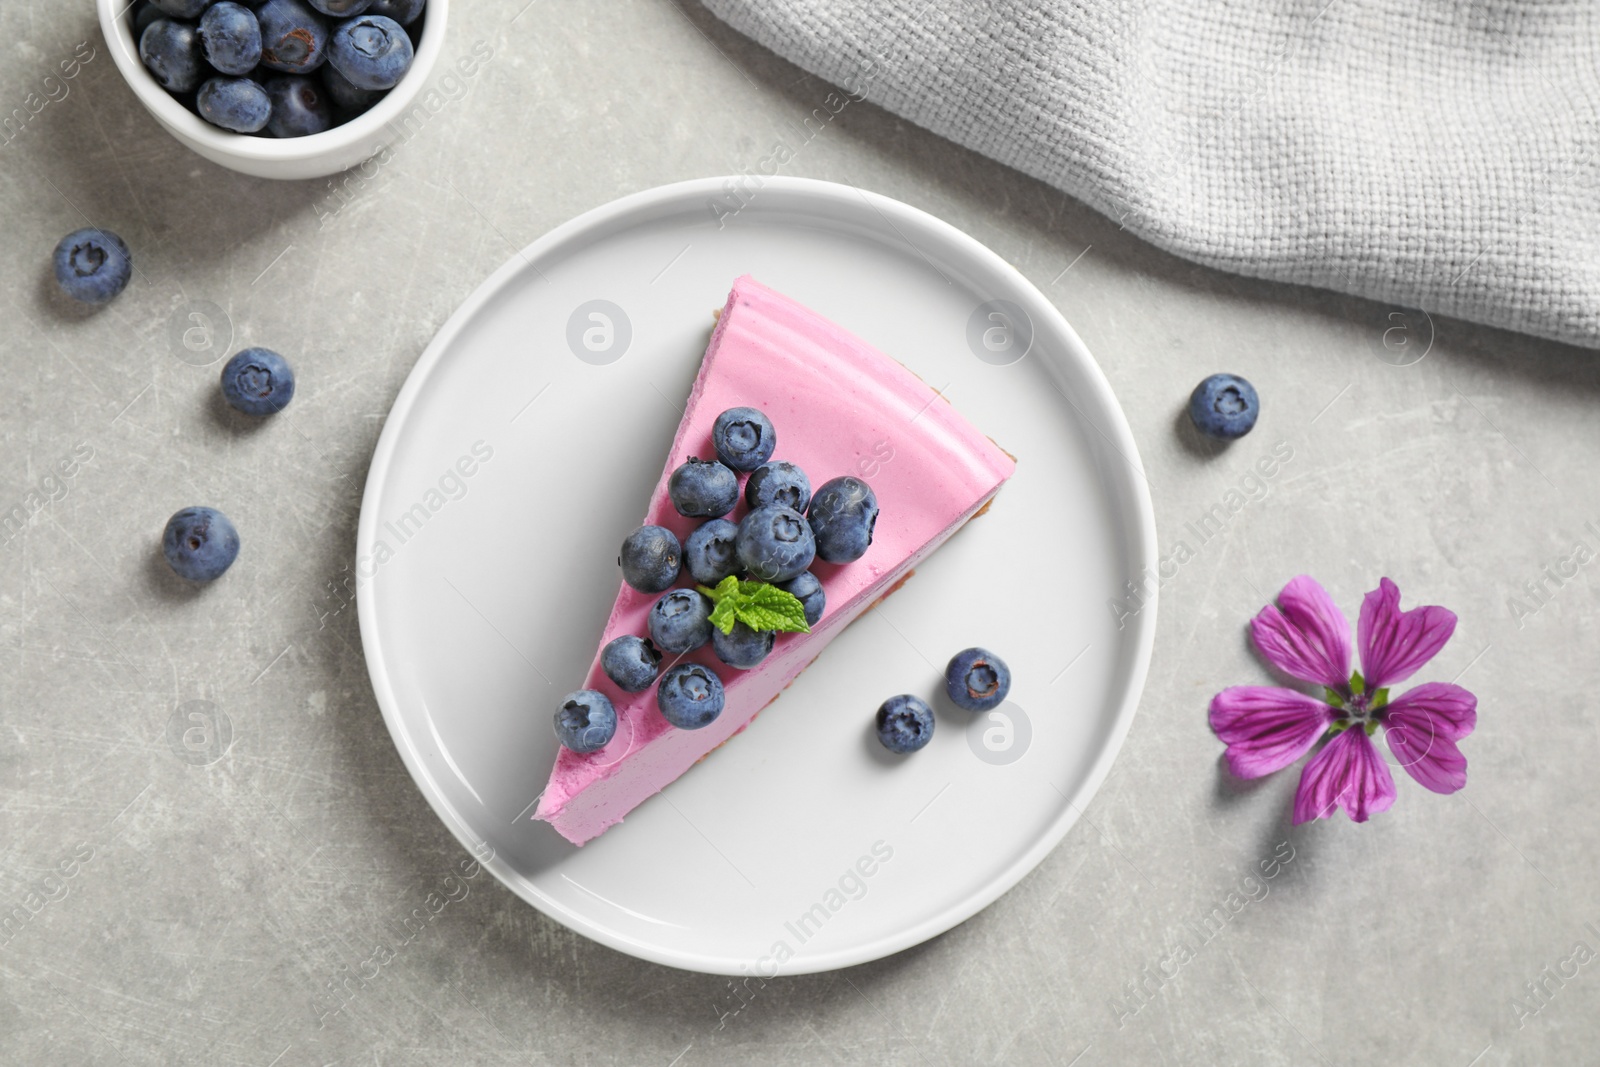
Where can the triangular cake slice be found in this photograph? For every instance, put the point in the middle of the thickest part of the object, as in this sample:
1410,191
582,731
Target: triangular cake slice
839,407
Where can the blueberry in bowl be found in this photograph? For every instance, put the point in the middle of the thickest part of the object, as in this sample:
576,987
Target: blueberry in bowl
230,37
168,51
342,8
404,12
372,51
300,106
237,104
346,96
181,9
174,54
144,13
294,36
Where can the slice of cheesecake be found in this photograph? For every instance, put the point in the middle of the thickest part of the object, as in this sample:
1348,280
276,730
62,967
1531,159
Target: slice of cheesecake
840,407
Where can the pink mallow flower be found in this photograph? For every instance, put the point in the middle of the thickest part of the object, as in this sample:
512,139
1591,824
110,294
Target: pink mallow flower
1307,637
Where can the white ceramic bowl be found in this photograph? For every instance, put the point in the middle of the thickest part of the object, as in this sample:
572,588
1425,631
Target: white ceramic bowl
268,157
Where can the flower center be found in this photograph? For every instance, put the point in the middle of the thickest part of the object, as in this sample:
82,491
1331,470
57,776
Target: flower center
1356,706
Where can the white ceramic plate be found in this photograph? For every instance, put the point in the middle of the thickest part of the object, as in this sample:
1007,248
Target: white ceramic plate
523,448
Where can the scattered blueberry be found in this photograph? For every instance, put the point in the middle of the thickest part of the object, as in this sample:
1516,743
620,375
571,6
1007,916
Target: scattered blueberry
300,106
346,96
258,381
842,515
977,679
778,483
231,37
200,543
742,648
341,9
174,55
709,553
650,559
92,265
404,12
775,544
703,489
690,696
237,104
744,438
681,621
373,51
294,37
1224,406
805,588
182,9
586,722
905,723
631,662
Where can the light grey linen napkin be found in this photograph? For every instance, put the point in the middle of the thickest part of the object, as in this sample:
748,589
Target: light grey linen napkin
1425,153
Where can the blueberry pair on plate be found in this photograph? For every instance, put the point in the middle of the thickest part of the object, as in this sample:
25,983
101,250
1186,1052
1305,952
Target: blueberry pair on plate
975,680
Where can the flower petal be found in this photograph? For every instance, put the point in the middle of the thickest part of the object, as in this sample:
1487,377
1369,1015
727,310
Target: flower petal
1395,643
1448,710
1266,728
1346,774
1429,757
1305,635
1422,727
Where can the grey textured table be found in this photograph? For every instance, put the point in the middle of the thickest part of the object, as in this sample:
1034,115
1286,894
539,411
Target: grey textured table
213,905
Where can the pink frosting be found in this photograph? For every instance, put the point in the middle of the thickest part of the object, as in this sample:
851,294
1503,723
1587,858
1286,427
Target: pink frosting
839,407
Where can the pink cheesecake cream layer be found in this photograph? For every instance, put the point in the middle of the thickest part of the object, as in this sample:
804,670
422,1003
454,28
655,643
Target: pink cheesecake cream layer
839,407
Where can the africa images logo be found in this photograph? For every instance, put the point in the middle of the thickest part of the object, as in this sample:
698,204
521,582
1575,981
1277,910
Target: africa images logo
1000,736
599,332
199,733
999,333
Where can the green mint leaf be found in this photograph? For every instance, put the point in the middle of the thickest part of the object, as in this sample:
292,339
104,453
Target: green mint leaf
723,616
724,603
725,588
756,604
767,607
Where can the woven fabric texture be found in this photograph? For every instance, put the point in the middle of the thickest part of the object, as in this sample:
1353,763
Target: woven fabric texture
1424,153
